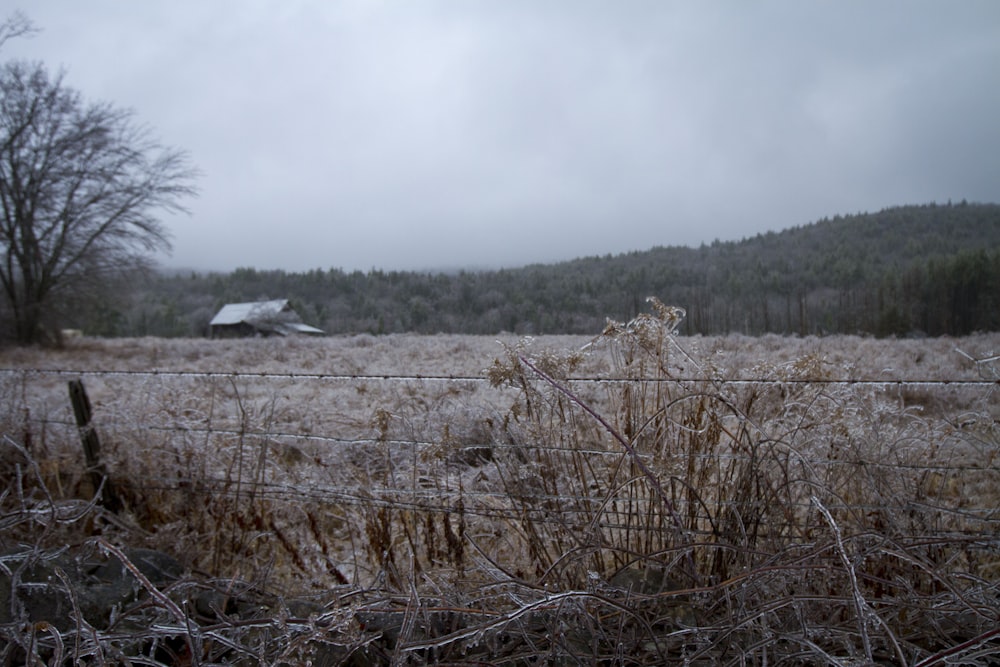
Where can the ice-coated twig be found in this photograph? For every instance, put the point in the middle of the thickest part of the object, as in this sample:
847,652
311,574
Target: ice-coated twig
861,607
549,601
941,657
77,615
170,605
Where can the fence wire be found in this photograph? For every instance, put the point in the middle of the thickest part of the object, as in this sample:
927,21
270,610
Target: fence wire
355,377
433,485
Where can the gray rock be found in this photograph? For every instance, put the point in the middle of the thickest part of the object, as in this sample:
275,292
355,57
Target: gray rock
159,568
52,586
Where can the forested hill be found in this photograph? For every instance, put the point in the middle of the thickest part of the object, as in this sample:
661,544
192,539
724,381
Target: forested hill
932,269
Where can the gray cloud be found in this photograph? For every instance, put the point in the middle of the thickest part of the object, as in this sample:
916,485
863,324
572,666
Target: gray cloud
442,134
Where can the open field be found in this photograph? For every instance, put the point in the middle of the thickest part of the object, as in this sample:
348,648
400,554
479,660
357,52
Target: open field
626,499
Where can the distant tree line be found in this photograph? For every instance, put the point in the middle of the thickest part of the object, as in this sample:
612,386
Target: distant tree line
913,270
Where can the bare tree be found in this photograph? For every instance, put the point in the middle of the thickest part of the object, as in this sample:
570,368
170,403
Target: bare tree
81,188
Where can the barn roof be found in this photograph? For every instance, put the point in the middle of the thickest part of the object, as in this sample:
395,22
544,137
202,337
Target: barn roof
299,327
234,313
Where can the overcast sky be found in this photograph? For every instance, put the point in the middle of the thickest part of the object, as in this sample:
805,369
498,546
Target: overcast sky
415,134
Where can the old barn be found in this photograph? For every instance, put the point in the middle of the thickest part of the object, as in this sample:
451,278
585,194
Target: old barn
259,318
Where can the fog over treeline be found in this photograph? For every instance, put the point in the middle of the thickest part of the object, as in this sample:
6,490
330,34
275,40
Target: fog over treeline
911,270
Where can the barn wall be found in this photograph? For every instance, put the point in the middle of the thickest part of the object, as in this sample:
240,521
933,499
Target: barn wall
240,330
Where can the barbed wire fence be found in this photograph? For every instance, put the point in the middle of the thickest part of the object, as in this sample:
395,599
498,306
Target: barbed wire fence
215,429
367,479
56,420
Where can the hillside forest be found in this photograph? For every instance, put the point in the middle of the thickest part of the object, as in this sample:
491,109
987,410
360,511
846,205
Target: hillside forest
912,270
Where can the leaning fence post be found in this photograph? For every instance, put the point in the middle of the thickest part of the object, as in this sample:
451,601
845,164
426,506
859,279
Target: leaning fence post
92,446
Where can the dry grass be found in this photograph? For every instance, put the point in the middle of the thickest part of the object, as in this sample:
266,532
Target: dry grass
621,500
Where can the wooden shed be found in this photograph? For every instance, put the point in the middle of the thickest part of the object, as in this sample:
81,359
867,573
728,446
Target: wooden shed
259,318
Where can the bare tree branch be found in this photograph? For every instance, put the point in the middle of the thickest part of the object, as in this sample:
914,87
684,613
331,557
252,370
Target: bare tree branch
14,26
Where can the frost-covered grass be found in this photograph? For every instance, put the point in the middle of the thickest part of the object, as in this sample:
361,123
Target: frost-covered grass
678,510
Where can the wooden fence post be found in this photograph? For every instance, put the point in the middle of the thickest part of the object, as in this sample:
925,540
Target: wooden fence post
92,446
